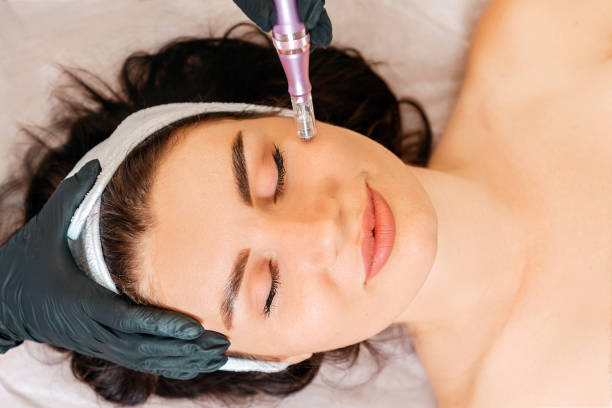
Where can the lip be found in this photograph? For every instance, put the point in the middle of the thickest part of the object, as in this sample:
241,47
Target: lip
376,248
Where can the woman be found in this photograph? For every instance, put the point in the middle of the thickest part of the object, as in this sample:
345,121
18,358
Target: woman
490,268
206,70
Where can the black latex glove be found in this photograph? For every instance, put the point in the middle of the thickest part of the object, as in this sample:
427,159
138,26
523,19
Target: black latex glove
44,297
311,12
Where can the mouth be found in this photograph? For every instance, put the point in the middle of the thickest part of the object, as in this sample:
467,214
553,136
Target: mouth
378,225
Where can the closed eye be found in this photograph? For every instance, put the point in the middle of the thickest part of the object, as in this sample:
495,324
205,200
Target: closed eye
280,166
275,283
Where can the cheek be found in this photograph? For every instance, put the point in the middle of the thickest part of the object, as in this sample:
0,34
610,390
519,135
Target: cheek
317,320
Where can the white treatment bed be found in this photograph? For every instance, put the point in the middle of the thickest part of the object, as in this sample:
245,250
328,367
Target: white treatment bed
422,45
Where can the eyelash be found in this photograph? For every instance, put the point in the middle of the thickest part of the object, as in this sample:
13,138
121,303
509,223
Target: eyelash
275,283
280,188
279,159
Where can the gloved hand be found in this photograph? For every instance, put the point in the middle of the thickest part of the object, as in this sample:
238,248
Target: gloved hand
44,297
312,13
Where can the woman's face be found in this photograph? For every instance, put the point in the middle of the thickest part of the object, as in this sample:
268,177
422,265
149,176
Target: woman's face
205,228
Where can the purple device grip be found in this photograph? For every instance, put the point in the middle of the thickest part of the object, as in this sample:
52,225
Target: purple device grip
295,65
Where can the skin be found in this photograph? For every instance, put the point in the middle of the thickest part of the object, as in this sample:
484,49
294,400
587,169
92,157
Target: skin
531,127
501,264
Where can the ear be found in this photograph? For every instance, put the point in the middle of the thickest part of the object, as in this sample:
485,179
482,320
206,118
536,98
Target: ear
296,359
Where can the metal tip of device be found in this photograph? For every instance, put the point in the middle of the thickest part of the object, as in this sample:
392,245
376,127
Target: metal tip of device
304,116
307,134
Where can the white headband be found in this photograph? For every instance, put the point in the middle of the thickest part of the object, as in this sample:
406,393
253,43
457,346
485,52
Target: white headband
84,229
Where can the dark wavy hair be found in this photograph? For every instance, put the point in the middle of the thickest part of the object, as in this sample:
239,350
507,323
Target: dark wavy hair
346,92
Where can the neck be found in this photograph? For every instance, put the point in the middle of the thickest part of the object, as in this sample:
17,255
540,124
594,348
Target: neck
472,286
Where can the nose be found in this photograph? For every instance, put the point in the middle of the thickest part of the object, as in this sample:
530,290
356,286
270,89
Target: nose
308,234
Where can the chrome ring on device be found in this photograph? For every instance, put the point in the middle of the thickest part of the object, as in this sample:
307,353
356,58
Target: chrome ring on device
293,36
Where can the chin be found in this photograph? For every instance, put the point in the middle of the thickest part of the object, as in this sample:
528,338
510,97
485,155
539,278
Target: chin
399,282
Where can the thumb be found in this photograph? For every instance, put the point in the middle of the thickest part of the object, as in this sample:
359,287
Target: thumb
71,191
321,34
310,11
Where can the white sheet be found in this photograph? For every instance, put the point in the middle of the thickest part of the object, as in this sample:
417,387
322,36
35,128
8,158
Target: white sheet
33,375
422,45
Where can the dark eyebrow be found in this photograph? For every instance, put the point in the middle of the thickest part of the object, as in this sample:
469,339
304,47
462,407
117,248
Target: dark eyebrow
235,278
233,286
240,170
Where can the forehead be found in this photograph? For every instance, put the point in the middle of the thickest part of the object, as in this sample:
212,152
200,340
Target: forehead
194,202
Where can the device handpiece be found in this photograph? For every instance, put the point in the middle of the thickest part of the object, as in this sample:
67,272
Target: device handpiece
292,43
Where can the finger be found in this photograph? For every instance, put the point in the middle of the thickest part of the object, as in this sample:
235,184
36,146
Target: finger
71,191
260,12
178,375
180,364
268,15
175,374
182,371
321,34
310,12
127,317
173,366
200,348
149,354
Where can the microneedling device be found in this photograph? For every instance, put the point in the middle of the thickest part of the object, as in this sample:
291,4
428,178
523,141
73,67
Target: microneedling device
293,46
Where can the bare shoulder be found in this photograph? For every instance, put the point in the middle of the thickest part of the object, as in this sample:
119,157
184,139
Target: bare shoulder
525,42
541,69
552,352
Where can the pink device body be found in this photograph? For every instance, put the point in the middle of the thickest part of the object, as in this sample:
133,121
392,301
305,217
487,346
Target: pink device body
292,43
